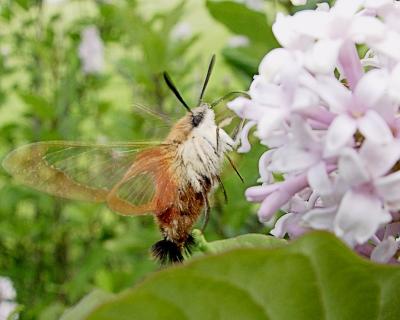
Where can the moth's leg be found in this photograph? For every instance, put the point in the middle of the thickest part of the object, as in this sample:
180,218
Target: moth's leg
223,189
217,138
206,212
237,130
234,167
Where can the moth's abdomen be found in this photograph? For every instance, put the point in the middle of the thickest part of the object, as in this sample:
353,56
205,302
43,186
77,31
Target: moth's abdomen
176,223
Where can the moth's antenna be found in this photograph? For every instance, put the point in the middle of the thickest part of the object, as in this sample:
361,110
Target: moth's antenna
227,96
209,71
173,88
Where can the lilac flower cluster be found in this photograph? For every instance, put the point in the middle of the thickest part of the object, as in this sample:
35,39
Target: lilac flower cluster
327,106
8,295
91,51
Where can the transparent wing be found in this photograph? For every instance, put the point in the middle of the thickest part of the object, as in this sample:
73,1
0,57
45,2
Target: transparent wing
82,171
135,192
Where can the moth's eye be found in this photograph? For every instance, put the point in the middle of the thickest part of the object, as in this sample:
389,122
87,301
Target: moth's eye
197,118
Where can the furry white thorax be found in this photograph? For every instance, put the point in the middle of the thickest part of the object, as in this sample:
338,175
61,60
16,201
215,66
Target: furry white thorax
202,154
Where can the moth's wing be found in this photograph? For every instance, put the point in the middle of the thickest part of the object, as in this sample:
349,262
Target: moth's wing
161,123
73,170
229,121
142,110
136,192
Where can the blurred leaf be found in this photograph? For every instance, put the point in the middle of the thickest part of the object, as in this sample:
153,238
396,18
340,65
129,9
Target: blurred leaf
172,17
86,305
5,12
39,105
24,3
316,277
86,271
242,20
51,312
242,61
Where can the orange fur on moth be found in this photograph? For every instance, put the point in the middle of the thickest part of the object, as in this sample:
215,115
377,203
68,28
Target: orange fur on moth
171,179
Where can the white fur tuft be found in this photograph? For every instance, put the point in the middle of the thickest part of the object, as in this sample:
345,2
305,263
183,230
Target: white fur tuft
201,155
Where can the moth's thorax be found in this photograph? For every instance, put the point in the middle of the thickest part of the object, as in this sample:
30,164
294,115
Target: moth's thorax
200,147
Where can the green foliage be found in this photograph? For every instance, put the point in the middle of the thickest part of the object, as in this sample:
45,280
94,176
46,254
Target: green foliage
316,277
240,19
244,21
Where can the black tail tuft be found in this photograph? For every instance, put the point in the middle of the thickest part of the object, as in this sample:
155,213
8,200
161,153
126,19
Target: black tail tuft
167,251
189,244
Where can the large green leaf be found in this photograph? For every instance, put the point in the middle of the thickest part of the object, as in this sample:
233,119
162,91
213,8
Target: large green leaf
87,304
316,277
242,20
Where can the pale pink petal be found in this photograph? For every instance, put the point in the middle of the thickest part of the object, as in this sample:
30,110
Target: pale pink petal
374,128
351,168
323,56
91,50
298,2
271,205
365,28
390,14
390,45
238,105
287,35
290,159
394,84
303,135
385,251
272,64
266,94
339,134
265,160
323,7
270,121
244,137
346,8
350,64
276,139
334,93
339,188
376,4
280,228
313,24
8,308
379,158
304,99
370,89
359,216
280,197
389,187
290,224
320,218
297,204
319,180
259,193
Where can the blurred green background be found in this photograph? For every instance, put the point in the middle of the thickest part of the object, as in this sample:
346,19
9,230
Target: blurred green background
54,250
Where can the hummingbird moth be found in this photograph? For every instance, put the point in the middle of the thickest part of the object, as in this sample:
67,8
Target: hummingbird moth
171,179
